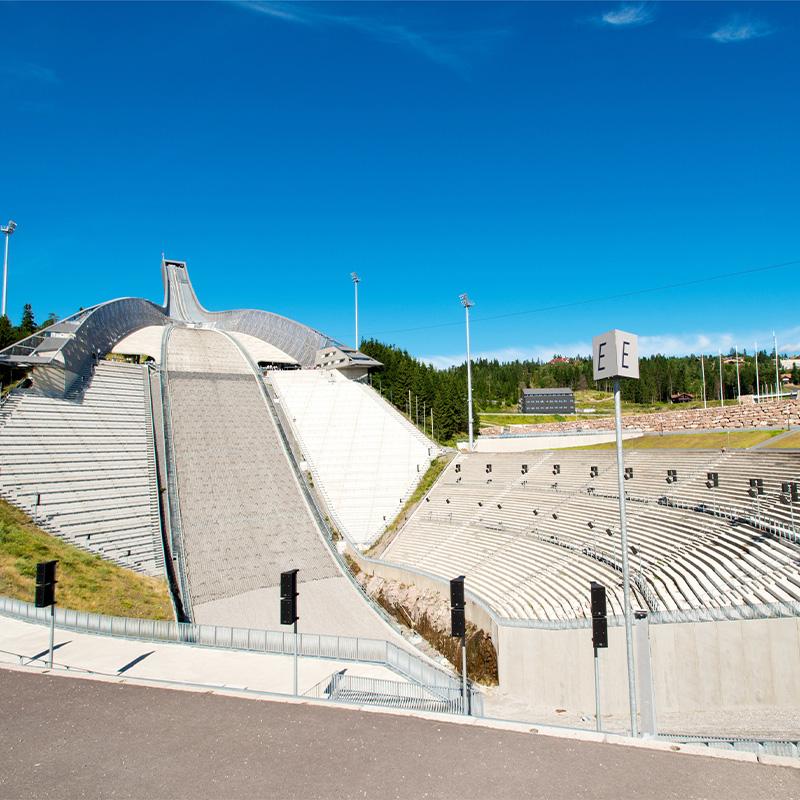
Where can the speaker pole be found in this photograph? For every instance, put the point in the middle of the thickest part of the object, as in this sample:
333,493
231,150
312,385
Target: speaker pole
597,691
295,658
289,615
52,631
464,695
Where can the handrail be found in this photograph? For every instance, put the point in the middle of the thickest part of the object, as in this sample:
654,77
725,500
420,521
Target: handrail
162,498
342,648
172,496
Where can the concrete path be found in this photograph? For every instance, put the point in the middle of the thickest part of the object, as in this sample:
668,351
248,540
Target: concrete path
78,738
264,672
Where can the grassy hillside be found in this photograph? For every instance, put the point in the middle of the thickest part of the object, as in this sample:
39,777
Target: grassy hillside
688,441
85,582
436,468
792,440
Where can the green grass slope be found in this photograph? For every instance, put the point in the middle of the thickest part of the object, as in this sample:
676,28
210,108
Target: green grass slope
688,441
86,582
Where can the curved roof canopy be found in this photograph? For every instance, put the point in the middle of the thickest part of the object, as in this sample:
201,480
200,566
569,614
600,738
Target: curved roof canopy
73,343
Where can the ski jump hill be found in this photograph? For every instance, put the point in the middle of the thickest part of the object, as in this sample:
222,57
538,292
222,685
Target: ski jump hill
194,456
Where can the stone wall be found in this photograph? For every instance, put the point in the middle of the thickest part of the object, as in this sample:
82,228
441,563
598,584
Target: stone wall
733,417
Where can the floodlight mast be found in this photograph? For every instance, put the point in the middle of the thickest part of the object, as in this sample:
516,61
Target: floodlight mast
356,280
778,395
468,304
758,388
7,230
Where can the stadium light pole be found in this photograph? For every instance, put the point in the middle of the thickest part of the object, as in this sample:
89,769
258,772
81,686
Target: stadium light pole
7,230
356,280
703,373
468,304
738,381
758,388
777,375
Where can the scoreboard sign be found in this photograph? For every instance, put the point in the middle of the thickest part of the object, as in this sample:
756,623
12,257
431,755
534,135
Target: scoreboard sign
615,355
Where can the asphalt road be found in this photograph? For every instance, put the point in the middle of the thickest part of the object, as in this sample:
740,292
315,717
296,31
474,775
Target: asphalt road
62,737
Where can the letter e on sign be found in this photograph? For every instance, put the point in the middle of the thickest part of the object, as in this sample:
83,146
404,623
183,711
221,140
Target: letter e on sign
615,355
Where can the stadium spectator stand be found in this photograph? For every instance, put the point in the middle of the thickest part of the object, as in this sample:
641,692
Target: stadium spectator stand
83,465
366,458
530,542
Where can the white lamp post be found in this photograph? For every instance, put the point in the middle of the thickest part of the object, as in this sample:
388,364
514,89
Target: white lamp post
7,230
777,375
468,304
356,280
703,373
738,381
758,387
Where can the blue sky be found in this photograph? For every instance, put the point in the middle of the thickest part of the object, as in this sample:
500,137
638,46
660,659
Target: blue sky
533,155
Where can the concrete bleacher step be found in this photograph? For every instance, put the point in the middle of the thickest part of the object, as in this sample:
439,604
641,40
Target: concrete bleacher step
89,460
688,559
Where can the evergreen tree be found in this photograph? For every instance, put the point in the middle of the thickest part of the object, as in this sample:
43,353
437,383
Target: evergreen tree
7,333
28,324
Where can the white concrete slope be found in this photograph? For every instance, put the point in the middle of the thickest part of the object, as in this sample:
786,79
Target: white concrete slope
244,518
83,466
365,457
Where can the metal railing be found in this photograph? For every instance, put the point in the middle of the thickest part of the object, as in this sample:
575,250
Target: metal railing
358,690
711,614
315,645
171,497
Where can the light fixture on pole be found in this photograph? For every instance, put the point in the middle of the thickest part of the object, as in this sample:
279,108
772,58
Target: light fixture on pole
777,376
738,381
7,230
468,304
758,388
721,394
703,373
356,280
616,355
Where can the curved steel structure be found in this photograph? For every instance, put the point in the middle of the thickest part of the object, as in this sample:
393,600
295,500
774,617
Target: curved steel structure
63,353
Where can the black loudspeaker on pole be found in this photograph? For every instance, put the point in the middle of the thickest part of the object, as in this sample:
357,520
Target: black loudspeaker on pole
458,626
599,639
599,621
289,597
457,620
289,610
46,595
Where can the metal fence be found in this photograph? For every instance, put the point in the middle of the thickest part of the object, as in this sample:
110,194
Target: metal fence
343,648
358,690
721,614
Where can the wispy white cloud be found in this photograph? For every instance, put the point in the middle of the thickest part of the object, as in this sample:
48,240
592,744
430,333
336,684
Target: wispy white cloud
447,48
28,71
629,15
668,344
740,29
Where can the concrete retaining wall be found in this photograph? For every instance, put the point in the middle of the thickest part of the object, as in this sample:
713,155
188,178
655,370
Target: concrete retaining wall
768,414
696,666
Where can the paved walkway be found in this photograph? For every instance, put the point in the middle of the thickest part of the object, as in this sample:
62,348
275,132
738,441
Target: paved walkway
265,672
65,738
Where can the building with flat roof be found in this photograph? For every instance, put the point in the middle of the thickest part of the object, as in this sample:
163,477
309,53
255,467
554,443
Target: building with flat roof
547,401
